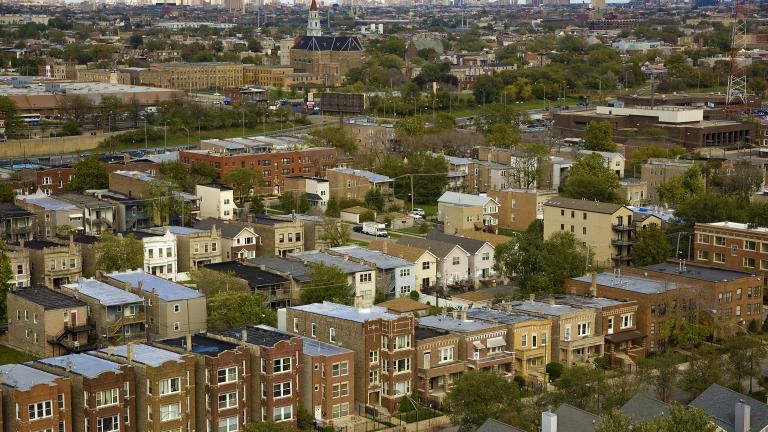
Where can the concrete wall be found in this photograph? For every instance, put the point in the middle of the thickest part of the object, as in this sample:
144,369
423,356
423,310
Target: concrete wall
52,146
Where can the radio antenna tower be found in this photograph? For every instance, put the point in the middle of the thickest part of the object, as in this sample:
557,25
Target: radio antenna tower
737,79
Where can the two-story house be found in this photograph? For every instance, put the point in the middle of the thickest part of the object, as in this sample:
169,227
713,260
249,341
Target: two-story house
54,262
194,247
159,253
317,189
481,259
237,241
395,277
16,224
216,201
438,364
20,266
280,235
98,215
424,262
459,211
276,290
361,277
452,259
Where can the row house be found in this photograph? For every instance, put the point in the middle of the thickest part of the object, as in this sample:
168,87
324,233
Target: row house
216,201
45,322
382,342
731,245
20,267
521,207
159,253
527,337
277,359
103,392
316,189
348,183
481,253
574,336
42,400
452,260
459,211
223,377
131,214
482,345
16,224
361,277
54,262
98,216
195,248
327,387
172,310
424,261
438,364
279,235
395,277
165,386
237,241
51,214
118,315
275,289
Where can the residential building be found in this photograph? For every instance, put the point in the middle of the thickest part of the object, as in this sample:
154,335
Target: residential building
276,290
103,392
424,261
117,315
98,216
275,164
458,211
521,207
45,322
317,189
452,259
296,271
395,277
438,364
280,235
20,266
54,262
159,252
527,337
481,253
611,160
51,213
49,180
656,172
606,229
165,386
172,310
223,375
314,232
731,245
482,345
192,76
216,201
195,248
731,410
278,365
131,214
237,241
325,392
348,183
382,342
34,400
361,277
574,337
634,191
16,224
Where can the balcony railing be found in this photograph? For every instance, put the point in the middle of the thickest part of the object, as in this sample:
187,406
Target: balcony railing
622,227
621,242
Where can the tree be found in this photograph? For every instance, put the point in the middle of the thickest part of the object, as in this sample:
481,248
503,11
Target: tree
703,371
237,309
333,209
374,200
6,275
598,136
7,193
662,373
526,166
679,419
290,202
327,283
743,179
684,334
651,247
87,174
257,206
614,421
477,396
580,386
500,124
338,137
590,179
119,253
429,180
744,355
335,233
76,106
682,187
10,111
70,128
487,89
243,180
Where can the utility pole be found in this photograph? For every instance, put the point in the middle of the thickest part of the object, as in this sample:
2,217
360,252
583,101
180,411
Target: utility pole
411,192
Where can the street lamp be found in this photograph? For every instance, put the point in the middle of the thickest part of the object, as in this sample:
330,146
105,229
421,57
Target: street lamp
165,134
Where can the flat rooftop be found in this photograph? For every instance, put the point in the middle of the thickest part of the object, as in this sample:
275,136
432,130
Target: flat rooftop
201,344
104,293
23,377
736,226
316,348
260,335
297,269
48,298
48,203
145,354
165,289
368,175
500,317
83,364
251,273
709,274
638,284
178,230
421,333
84,88
453,324
589,302
349,313
543,308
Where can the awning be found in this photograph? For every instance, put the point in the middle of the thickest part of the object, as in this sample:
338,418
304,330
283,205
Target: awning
496,342
623,336
76,216
478,345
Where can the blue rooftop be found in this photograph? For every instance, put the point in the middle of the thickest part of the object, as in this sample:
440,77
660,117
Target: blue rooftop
104,293
178,230
145,354
165,289
82,364
24,377
315,348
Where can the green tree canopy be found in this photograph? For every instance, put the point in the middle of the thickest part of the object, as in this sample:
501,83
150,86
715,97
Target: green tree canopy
682,187
651,247
477,396
87,174
339,137
237,309
429,180
590,179
119,253
374,200
212,282
243,180
335,233
679,419
598,136
326,283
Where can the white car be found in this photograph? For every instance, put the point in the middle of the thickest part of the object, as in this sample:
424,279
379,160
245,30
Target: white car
416,216
418,211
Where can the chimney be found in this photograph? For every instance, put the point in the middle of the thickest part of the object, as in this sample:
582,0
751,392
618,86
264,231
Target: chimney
531,296
742,417
188,342
129,349
548,421
244,335
593,286
69,365
463,314
385,246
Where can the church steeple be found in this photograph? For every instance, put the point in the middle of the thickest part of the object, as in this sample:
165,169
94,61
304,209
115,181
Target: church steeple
313,21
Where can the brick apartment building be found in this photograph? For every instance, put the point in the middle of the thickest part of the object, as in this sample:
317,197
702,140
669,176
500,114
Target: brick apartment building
731,245
438,364
165,386
223,380
383,344
327,382
278,360
274,166
34,400
45,322
105,390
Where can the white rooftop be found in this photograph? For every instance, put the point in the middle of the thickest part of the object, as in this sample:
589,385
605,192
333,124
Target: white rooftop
82,364
463,200
737,225
378,258
349,313
145,354
165,289
370,176
23,377
105,293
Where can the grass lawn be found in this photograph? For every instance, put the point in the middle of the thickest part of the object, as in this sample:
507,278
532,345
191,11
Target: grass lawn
527,105
415,230
419,415
9,355
429,209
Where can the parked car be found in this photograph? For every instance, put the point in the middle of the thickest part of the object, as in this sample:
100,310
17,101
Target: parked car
418,211
357,228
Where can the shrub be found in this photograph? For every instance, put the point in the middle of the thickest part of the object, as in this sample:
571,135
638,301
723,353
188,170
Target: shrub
520,381
554,370
414,295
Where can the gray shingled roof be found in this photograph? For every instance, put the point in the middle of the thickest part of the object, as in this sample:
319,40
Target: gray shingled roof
439,248
584,205
228,230
720,403
643,407
492,425
572,419
468,244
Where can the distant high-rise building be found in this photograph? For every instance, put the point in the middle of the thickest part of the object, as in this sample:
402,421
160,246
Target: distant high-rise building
313,21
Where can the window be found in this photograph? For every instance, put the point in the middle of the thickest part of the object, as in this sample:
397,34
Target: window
177,308
402,365
749,262
704,238
626,321
281,365
373,377
283,413
366,277
340,390
108,424
340,410
295,325
40,410
610,325
446,355
567,333
228,424
281,389
425,265
214,246
750,245
405,272
402,342
543,338
314,330
583,329
524,340
534,341
226,375
719,241
456,261
486,256
106,397
176,326
734,250
384,342
340,369
170,385
703,255
332,334
373,356
719,257
403,387
584,230
170,412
